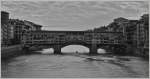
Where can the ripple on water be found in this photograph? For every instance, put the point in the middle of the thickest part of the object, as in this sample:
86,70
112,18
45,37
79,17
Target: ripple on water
73,66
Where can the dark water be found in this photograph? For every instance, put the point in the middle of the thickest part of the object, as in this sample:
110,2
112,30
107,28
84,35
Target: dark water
74,66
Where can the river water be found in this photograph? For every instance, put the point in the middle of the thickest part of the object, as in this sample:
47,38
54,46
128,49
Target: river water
74,66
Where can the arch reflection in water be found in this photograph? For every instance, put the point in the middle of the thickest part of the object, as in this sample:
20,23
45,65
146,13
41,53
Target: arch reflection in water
47,51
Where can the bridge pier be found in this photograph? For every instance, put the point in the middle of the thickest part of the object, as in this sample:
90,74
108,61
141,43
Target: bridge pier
93,49
118,50
25,48
57,49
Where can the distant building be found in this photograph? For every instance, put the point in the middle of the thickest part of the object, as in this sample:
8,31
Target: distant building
38,27
101,29
5,29
136,32
143,32
4,17
131,32
119,25
20,27
32,26
127,27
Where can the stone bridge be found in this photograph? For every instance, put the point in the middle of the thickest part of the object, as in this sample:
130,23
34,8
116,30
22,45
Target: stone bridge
113,41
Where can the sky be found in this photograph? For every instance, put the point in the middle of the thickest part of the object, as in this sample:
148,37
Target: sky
73,15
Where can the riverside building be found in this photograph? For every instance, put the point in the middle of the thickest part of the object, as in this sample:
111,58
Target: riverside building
5,29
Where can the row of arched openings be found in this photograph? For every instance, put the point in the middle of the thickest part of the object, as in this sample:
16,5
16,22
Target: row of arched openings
72,49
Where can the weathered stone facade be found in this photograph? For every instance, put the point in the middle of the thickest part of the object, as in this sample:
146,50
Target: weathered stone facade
143,35
136,33
20,27
5,29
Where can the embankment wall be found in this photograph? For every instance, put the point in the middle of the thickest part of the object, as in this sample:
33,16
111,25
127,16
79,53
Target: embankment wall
11,51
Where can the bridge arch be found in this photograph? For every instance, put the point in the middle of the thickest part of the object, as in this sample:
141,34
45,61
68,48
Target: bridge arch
57,48
76,42
75,48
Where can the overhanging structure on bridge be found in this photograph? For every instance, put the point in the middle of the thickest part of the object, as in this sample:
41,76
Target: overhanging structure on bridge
59,39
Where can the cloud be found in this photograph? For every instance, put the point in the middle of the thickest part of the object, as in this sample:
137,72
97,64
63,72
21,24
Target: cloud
74,15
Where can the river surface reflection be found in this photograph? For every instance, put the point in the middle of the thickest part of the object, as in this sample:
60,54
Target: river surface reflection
74,66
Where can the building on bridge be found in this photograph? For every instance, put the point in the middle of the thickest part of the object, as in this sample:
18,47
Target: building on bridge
59,39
